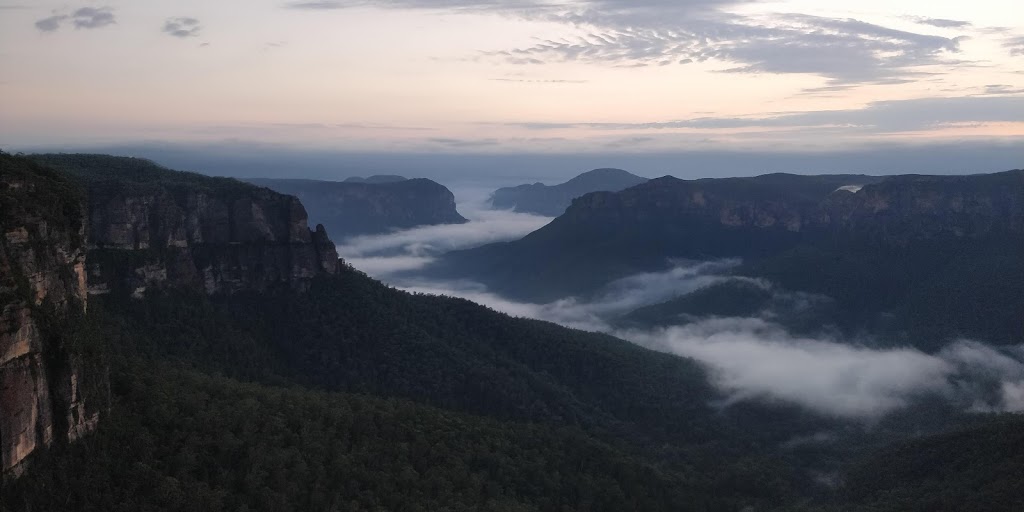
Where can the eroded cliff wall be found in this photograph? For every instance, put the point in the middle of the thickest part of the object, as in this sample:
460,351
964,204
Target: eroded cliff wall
72,226
43,297
371,206
153,227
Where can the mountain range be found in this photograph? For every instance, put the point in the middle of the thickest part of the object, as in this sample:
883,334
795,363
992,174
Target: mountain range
887,250
179,342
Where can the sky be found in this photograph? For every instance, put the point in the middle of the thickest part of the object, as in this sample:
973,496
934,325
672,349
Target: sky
513,76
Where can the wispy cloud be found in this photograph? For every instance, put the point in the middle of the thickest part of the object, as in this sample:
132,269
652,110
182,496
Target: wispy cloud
82,18
537,81
50,24
1015,45
659,33
939,22
1003,89
845,51
182,27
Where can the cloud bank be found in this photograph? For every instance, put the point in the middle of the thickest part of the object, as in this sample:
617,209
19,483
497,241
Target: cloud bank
880,116
751,358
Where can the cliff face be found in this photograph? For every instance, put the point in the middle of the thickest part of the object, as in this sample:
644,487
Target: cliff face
933,207
552,200
43,294
375,205
607,235
152,227
896,210
108,224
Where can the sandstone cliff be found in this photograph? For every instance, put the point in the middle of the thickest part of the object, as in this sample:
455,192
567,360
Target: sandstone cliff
78,225
153,227
941,255
43,379
378,204
896,209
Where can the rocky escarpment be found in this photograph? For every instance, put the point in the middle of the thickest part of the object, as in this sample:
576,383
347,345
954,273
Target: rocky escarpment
152,227
895,209
378,204
552,200
934,256
78,225
49,390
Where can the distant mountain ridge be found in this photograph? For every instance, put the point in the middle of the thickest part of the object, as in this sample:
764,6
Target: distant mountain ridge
552,200
898,246
373,205
377,178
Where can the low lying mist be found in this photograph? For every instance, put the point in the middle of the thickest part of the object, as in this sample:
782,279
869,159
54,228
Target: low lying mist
383,255
748,358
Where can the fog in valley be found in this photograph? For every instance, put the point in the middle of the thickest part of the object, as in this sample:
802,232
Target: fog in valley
748,358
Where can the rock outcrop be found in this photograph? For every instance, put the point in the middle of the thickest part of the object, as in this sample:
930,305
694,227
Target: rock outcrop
72,226
43,378
153,227
378,204
894,209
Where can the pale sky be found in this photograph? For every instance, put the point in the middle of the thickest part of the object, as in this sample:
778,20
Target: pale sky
469,76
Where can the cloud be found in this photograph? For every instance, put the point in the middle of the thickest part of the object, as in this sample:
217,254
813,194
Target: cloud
383,255
1003,89
93,17
51,24
880,116
463,143
384,266
756,359
85,17
182,27
323,5
1013,396
451,5
659,32
1015,45
751,358
538,81
594,314
939,22
845,51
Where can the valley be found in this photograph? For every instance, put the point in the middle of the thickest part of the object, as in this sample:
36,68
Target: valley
698,384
